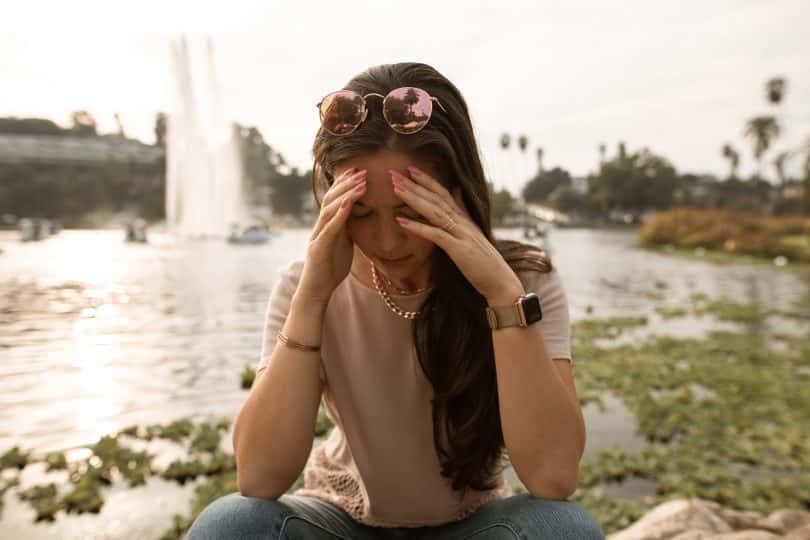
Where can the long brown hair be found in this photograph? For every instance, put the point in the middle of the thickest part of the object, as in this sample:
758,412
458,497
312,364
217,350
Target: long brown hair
453,340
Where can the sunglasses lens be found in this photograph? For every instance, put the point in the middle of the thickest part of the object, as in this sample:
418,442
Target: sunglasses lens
341,112
407,109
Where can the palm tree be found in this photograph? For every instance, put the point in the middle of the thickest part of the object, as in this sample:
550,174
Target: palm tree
506,140
523,142
775,90
733,159
622,151
602,152
779,166
761,130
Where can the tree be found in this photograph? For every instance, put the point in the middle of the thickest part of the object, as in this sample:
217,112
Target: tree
501,205
544,183
638,182
160,129
761,130
779,166
602,154
288,193
566,199
733,159
83,123
775,90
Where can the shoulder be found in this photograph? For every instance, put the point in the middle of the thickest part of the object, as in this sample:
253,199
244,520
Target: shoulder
290,272
542,283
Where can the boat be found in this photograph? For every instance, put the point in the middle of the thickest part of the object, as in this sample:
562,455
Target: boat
253,234
539,234
135,232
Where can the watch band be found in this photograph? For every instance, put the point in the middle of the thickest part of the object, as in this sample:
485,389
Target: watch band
503,316
514,314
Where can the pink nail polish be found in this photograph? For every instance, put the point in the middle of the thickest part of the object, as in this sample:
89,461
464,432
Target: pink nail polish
414,169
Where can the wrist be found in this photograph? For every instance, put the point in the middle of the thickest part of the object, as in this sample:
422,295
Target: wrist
308,304
506,295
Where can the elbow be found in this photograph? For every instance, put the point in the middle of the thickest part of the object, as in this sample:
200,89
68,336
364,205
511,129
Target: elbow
258,490
553,486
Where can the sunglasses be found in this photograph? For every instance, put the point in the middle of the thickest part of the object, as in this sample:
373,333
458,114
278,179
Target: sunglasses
406,109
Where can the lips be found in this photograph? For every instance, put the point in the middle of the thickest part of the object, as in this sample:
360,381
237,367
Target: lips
394,260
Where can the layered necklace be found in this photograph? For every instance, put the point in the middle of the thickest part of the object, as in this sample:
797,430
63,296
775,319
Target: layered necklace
387,297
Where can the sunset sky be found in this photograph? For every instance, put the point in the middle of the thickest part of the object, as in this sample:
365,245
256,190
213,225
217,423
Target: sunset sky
679,77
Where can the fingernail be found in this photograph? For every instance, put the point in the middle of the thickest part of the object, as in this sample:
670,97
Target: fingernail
360,185
414,169
398,185
396,174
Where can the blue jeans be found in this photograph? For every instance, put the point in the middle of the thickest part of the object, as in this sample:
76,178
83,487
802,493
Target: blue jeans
296,517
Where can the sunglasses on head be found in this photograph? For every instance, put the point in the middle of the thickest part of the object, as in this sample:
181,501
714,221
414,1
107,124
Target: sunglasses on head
406,109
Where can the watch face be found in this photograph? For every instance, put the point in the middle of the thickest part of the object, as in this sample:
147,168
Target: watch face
531,308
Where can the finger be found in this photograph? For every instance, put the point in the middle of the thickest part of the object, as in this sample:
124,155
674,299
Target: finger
343,184
428,205
437,235
337,222
431,184
329,211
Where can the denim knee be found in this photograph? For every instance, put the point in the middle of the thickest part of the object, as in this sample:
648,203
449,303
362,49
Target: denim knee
532,517
237,516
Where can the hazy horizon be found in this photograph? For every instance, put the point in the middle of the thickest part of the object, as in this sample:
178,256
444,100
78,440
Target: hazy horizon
681,79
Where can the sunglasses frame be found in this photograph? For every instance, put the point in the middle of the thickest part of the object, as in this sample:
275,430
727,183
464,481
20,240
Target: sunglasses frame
365,110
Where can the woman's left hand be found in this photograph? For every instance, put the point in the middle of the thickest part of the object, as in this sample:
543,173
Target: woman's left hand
449,226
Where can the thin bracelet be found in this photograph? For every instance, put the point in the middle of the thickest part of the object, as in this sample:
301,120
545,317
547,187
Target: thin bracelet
295,345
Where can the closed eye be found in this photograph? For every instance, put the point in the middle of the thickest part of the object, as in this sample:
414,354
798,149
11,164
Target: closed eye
361,216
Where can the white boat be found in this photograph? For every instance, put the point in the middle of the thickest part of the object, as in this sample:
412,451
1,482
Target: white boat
254,234
539,234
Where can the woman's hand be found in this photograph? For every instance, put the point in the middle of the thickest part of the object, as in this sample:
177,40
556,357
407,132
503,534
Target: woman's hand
330,249
474,255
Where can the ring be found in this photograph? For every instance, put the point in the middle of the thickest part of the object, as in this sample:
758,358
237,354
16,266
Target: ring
449,225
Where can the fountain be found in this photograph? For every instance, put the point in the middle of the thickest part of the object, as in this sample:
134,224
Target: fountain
204,186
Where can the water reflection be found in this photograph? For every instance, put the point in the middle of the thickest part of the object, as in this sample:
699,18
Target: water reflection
97,334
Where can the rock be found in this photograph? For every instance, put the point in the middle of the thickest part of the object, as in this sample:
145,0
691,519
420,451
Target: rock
695,519
742,519
737,535
785,521
672,518
802,533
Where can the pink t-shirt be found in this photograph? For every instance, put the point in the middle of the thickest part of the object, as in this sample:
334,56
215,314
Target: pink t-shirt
379,463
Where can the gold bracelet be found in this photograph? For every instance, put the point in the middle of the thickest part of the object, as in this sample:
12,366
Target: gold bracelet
295,345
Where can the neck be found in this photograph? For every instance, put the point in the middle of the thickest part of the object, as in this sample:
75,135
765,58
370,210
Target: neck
361,267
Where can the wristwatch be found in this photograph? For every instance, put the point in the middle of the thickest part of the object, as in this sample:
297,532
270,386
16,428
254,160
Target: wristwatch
525,311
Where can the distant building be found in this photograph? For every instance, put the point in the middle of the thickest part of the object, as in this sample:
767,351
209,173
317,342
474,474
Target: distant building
64,150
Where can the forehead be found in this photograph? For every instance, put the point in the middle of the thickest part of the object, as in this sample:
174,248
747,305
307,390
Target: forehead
379,191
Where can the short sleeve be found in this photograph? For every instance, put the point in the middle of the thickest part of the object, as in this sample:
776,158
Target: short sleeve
278,307
556,322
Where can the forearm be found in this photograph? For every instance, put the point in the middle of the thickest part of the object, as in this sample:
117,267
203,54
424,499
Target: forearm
542,424
274,430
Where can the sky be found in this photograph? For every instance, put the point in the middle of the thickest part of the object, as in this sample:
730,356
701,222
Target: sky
680,78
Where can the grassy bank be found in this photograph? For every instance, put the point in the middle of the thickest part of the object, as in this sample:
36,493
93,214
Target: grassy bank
729,233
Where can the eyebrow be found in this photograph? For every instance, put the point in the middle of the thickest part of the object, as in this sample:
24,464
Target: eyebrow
361,203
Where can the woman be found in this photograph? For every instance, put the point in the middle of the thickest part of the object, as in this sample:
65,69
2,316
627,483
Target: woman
422,334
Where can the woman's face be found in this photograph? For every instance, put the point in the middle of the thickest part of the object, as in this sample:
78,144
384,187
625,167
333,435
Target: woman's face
371,223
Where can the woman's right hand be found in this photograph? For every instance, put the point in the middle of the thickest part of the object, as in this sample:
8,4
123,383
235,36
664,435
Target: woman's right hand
330,249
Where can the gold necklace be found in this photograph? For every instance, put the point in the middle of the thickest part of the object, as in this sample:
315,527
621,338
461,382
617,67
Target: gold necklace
387,298
389,283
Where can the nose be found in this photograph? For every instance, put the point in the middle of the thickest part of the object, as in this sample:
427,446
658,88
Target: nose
390,236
